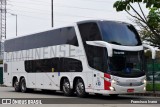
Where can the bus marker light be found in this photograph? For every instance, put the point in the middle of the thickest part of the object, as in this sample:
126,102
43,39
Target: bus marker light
113,81
144,81
112,88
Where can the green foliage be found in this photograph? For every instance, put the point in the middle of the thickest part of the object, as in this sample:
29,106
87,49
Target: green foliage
149,87
121,5
150,23
154,17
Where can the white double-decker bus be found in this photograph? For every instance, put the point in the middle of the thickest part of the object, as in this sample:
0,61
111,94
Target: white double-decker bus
96,56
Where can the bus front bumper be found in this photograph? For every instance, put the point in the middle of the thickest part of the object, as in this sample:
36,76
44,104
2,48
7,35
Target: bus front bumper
116,89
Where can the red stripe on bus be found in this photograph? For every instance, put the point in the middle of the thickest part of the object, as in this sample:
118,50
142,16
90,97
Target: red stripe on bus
107,84
107,75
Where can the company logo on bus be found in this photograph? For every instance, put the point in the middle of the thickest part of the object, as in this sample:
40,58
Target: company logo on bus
119,53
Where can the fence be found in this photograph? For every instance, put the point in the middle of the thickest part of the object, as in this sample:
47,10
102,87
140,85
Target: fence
153,74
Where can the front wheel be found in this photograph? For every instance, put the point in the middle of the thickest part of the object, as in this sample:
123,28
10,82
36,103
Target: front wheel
80,88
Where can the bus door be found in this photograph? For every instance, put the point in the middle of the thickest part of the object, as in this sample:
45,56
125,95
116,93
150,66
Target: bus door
51,77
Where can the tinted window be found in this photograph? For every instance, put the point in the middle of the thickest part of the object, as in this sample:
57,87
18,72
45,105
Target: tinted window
119,33
53,65
49,38
127,64
29,66
68,36
71,65
97,56
43,65
89,32
5,67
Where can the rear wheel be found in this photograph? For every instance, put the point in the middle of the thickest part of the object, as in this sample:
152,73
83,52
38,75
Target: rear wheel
80,88
66,87
16,86
23,85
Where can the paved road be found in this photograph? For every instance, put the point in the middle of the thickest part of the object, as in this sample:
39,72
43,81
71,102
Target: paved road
90,101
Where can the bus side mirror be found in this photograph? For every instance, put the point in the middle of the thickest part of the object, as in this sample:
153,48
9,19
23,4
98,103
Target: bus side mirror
102,44
152,50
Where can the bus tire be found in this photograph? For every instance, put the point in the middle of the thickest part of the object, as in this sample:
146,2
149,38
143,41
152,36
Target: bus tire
16,86
66,87
80,88
23,85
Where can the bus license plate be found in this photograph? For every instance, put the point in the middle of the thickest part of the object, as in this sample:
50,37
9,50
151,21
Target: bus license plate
130,90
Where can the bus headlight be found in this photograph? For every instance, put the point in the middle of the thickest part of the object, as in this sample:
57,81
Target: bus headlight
144,81
112,88
113,81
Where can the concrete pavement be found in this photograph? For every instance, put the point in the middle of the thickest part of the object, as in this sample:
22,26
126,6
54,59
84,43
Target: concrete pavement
91,101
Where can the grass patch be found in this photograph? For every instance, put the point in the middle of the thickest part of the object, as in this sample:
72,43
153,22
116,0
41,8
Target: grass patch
149,87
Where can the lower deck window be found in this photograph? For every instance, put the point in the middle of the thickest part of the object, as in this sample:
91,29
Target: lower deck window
53,65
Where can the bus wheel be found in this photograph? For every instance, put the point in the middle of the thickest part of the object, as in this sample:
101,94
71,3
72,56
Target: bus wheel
16,86
66,88
80,88
23,85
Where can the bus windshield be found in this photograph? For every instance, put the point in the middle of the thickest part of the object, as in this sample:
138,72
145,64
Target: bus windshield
127,64
119,33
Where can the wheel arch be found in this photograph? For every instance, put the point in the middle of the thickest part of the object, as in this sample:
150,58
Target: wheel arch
61,81
13,80
75,80
21,78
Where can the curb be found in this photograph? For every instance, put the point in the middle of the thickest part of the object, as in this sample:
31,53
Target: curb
146,94
1,85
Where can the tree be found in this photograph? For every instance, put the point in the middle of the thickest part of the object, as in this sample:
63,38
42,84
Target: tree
150,24
146,34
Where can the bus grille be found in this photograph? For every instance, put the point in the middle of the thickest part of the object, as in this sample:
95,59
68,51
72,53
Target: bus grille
129,83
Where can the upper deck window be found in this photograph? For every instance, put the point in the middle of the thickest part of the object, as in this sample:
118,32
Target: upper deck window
119,33
66,35
89,32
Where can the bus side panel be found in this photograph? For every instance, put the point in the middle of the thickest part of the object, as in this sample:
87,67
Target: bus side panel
31,80
51,81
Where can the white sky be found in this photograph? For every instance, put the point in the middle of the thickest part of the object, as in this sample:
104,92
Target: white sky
35,15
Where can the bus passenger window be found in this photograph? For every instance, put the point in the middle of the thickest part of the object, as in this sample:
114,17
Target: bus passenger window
5,67
71,65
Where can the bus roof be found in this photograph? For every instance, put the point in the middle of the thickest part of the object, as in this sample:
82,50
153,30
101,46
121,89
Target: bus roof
68,25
